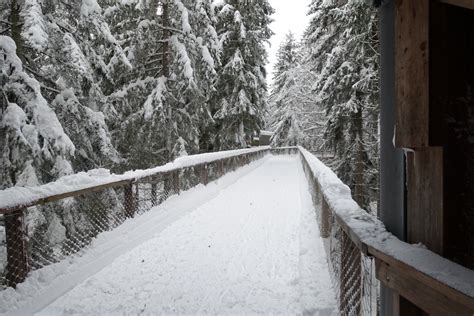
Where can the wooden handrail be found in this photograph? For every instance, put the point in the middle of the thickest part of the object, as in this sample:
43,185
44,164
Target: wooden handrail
129,187
117,181
408,269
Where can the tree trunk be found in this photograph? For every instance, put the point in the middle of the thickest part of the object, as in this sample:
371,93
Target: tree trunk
359,183
15,20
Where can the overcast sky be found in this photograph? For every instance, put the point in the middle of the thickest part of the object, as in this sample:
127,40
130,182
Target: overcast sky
290,15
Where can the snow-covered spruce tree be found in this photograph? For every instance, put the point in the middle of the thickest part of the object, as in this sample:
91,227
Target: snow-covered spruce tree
240,100
55,53
34,144
35,148
48,94
341,41
174,54
294,113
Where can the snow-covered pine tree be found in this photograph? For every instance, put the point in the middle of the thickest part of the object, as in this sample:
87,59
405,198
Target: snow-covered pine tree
34,144
174,53
46,102
54,53
240,100
294,114
341,41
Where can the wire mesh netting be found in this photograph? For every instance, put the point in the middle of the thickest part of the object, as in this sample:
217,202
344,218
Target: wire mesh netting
34,237
352,273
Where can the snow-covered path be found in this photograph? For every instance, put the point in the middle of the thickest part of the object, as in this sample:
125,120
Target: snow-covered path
254,248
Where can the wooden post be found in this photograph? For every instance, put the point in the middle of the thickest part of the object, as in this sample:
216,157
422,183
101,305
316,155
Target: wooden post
129,203
17,252
166,178
154,197
317,189
175,182
412,73
204,175
220,168
325,228
136,197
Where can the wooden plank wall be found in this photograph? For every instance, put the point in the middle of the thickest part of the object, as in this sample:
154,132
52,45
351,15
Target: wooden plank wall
424,164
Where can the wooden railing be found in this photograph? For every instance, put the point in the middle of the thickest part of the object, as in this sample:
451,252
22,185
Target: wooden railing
357,239
103,202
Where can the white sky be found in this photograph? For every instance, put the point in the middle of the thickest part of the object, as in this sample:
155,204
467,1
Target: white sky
290,15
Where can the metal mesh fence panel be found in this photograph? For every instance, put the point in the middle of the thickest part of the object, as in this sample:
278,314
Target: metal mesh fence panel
352,272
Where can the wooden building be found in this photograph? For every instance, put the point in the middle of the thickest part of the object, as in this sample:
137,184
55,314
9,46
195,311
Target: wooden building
427,130
265,138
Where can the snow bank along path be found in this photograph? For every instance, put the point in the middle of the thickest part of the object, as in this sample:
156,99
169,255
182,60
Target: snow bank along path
253,248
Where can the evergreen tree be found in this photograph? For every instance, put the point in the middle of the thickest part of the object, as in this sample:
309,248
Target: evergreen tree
50,122
239,103
341,41
174,54
295,115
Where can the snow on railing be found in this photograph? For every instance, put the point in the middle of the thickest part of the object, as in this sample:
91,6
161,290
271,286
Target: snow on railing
19,197
356,240
69,213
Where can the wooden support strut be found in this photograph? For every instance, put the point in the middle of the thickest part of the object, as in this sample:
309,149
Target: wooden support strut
17,252
175,182
154,195
204,174
325,219
129,203
220,167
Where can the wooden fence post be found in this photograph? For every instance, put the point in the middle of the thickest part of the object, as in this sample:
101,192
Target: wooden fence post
325,216
17,251
129,203
154,197
204,174
175,182
220,168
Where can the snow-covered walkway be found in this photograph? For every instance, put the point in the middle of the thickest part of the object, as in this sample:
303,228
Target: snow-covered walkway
252,248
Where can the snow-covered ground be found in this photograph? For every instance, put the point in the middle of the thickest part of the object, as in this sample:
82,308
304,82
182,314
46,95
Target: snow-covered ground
249,245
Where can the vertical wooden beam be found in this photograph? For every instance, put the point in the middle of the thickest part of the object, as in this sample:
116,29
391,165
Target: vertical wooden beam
220,168
129,202
204,174
17,251
175,182
154,195
412,73
325,228
425,197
